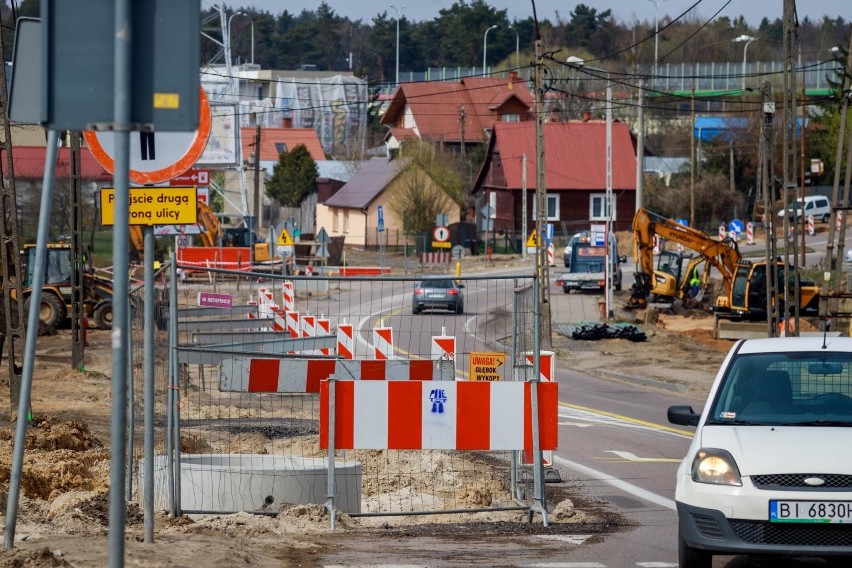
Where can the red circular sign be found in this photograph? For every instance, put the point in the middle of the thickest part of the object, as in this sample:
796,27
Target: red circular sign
441,234
178,151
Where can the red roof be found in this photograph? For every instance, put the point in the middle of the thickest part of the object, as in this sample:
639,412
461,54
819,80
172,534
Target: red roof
575,154
29,164
271,139
436,106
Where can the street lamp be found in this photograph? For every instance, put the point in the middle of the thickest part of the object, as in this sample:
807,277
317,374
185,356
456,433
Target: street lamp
517,45
656,34
231,17
485,46
747,39
397,41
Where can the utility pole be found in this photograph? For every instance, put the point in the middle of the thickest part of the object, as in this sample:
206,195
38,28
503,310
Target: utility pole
835,261
257,208
766,180
10,244
461,128
542,271
789,165
524,206
77,281
692,158
640,149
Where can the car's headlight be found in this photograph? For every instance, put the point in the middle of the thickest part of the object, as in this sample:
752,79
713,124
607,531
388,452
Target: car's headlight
712,465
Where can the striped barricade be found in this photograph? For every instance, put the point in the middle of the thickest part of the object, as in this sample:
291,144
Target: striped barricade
288,296
254,374
324,328
547,364
383,343
439,415
308,327
293,324
346,341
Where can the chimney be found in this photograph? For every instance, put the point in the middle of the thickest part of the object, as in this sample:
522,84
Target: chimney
287,122
513,76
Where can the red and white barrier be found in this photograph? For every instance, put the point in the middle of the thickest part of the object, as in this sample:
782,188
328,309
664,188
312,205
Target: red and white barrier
722,232
546,363
346,341
245,374
383,343
257,375
280,320
288,296
443,347
446,415
839,219
656,244
811,229
293,325
307,325
324,328
732,235
435,257
750,233
550,254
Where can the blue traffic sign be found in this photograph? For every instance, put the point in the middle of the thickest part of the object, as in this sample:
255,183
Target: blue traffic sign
684,222
381,218
736,226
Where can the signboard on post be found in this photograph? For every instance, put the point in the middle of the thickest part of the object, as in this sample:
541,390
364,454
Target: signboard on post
486,366
441,237
153,206
156,157
381,213
192,176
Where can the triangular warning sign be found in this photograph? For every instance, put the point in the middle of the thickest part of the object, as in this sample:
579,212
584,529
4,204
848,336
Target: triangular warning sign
284,239
533,240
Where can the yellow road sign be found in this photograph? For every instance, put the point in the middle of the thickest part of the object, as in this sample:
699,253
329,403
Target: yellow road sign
153,206
284,239
486,366
441,244
533,240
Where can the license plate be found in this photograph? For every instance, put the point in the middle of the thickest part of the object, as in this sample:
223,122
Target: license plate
438,295
810,511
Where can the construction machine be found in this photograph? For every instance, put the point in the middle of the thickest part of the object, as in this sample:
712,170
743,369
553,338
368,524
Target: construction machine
207,222
56,300
745,282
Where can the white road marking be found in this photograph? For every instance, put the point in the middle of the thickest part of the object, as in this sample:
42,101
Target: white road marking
634,490
567,565
657,564
593,417
577,424
569,538
630,456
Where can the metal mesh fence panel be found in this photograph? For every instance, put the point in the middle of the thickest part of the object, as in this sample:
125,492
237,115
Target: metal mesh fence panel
249,374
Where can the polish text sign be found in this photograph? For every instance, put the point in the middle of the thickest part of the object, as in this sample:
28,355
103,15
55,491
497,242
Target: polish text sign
486,366
153,206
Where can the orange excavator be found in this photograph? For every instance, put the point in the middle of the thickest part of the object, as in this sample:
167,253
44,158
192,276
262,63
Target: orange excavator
207,222
745,282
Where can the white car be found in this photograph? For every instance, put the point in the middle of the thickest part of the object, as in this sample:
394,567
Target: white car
769,470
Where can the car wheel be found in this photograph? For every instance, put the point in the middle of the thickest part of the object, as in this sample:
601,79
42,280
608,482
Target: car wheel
566,289
415,310
825,218
689,557
459,308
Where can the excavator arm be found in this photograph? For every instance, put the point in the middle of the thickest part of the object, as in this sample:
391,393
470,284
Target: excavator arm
722,255
207,223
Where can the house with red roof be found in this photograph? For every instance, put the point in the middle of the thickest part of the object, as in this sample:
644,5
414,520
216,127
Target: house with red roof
575,175
276,141
456,114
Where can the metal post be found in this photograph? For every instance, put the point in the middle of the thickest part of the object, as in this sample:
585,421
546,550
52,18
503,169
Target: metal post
524,228
640,148
789,163
30,342
542,271
170,405
148,385
121,238
540,505
174,383
609,204
330,488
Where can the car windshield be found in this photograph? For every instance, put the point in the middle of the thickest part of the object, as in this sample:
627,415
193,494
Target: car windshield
795,388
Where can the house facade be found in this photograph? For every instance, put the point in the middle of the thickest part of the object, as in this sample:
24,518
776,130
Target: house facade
575,176
353,210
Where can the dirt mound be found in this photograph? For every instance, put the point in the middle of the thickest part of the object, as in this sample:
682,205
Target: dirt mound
42,558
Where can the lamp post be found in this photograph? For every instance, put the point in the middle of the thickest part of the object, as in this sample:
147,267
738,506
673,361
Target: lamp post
747,39
656,34
485,46
397,41
517,45
231,17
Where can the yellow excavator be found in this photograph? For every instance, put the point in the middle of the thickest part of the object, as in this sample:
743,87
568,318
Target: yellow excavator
207,223
745,282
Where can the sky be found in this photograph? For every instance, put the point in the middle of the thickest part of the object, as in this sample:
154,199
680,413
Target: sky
624,10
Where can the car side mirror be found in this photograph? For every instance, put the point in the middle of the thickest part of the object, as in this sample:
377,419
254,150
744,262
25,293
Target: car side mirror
683,416
622,259
461,285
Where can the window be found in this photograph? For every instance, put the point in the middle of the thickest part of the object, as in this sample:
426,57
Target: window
552,207
280,147
510,118
597,207
346,221
335,221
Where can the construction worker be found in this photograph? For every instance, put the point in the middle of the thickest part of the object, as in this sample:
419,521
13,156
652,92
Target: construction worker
695,282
